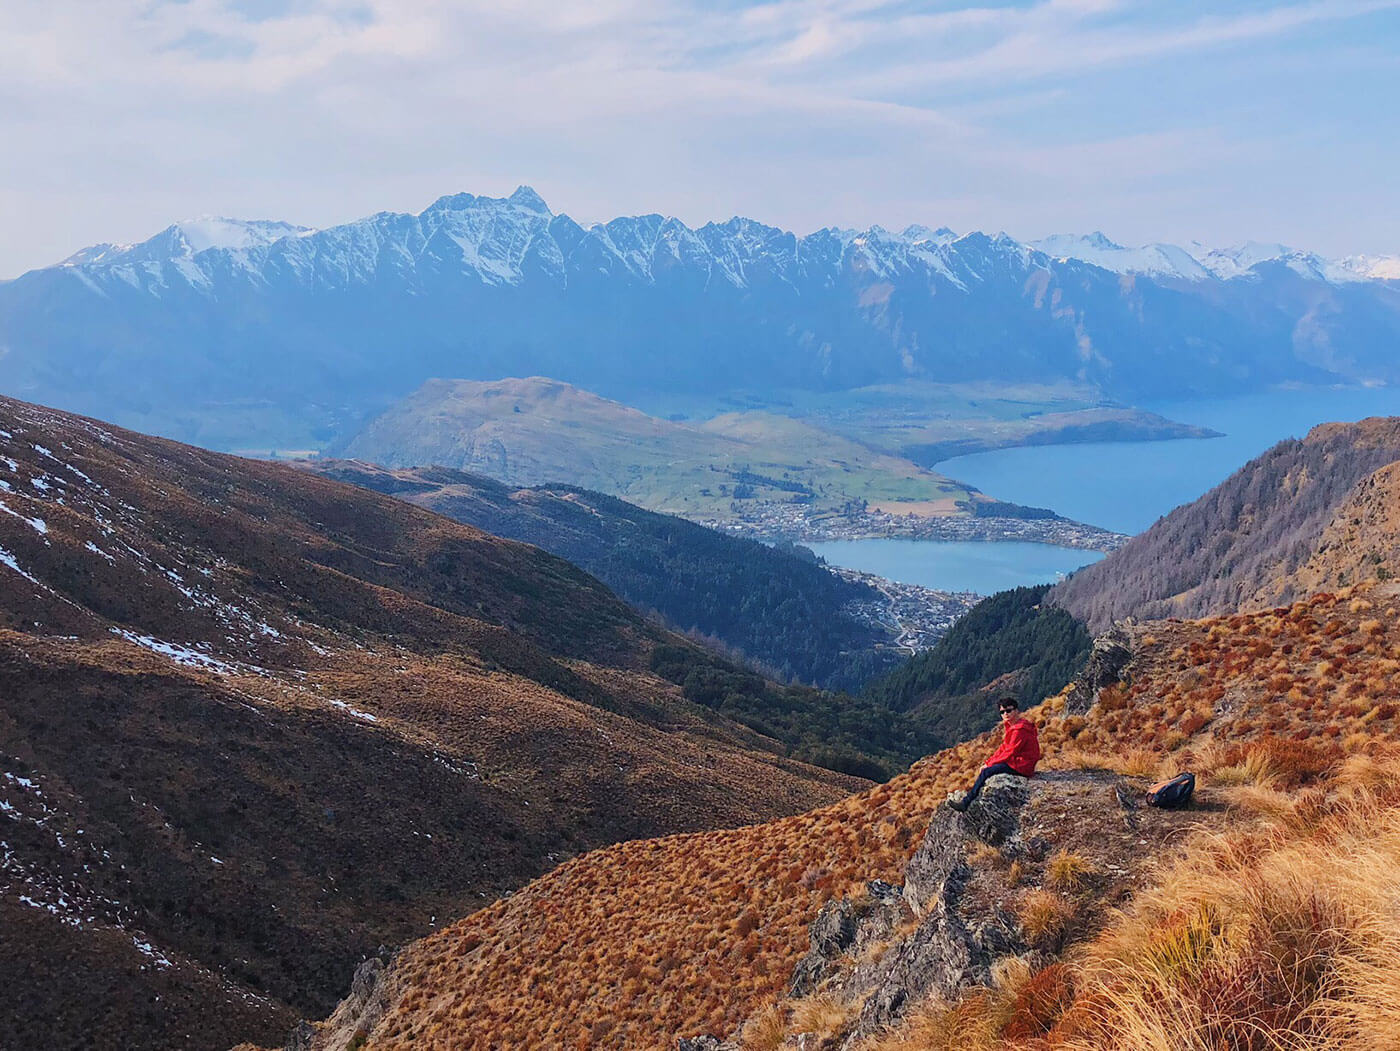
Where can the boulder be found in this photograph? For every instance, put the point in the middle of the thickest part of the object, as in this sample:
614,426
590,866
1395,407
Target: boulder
956,941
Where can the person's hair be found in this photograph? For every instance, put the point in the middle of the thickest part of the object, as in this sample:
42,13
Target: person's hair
1008,702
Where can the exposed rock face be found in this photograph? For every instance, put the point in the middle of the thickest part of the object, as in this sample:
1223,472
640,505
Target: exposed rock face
357,1014
957,940
849,927
302,1038
1107,664
956,915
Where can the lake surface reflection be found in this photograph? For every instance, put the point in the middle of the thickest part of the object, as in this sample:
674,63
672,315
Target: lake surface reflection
957,565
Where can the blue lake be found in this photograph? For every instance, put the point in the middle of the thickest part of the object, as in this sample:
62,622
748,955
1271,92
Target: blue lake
957,565
1126,486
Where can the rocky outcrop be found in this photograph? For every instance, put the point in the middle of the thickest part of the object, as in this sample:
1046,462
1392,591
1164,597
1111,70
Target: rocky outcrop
848,927
959,911
1107,665
370,996
957,939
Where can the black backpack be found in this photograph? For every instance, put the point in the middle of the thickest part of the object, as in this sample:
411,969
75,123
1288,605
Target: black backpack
1174,793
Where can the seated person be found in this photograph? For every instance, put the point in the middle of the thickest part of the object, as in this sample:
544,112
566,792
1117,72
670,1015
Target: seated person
1020,748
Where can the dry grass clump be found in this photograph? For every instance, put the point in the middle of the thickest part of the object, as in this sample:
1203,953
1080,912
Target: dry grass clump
765,1031
823,1015
1067,870
1045,917
1286,938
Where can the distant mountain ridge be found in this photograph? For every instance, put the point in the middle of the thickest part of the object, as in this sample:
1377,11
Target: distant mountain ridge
1200,263
634,241
321,327
539,431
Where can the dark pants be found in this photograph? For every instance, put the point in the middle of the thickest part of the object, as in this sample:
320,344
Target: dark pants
987,771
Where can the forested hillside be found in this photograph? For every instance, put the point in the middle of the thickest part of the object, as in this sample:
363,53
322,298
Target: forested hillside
1010,643
787,614
1238,546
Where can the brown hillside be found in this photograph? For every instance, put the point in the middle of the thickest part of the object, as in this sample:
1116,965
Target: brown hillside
1361,543
255,723
1239,545
640,943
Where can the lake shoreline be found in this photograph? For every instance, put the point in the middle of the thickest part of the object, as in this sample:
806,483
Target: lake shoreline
787,522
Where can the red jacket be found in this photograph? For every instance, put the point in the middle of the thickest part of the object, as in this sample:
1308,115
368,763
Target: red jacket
1020,747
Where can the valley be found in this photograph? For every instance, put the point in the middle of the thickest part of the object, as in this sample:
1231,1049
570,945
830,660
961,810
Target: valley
256,723
981,934
773,605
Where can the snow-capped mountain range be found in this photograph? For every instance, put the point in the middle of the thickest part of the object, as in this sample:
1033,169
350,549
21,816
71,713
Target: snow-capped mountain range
1200,263
320,323
496,236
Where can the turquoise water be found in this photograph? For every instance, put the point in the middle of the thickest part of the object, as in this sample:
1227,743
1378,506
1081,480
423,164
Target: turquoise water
1126,486
957,565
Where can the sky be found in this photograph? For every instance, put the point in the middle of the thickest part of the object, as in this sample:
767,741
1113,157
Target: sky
1179,121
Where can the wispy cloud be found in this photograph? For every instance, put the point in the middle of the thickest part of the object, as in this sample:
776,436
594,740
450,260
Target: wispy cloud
120,115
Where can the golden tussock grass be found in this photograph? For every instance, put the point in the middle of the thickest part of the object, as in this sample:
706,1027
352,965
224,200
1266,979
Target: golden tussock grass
710,925
765,1031
1285,937
1067,870
823,1015
1044,917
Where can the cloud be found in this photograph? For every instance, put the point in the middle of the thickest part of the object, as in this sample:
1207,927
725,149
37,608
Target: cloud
121,116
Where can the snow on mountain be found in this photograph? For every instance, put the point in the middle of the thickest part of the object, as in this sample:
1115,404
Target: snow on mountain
188,238
1370,267
1197,262
1160,260
328,322
99,253
212,232
502,239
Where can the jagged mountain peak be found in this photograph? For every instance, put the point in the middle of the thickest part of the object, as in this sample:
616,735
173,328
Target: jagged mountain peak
916,233
188,238
650,303
526,197
523,198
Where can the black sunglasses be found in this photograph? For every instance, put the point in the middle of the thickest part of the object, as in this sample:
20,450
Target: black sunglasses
1008,708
